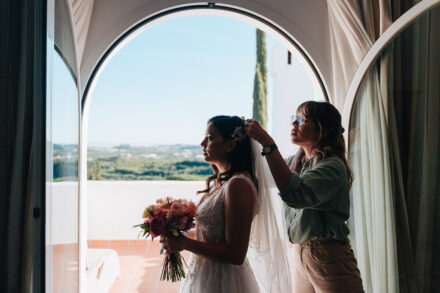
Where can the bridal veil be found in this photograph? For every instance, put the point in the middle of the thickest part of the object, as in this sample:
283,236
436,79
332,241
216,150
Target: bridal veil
269,252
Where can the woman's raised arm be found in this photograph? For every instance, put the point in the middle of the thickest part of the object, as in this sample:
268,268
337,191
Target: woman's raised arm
278,167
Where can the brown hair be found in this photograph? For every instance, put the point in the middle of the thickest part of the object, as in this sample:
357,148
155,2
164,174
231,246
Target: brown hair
331,141
239,159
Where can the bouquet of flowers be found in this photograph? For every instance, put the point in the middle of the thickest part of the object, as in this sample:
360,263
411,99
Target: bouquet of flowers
169,217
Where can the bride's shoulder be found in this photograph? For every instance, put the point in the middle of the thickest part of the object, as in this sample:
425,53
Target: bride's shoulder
241,193
242,181
242,177
242,174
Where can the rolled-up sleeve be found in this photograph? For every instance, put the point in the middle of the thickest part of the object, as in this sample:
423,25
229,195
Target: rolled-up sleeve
317,187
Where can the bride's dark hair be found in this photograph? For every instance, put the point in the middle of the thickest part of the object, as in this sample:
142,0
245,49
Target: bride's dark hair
239,159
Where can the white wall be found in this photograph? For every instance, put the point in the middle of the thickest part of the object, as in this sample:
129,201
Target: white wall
304,21
64,213
115,206
292,84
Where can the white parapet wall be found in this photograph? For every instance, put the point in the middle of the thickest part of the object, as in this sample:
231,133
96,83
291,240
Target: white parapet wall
114,207
63,197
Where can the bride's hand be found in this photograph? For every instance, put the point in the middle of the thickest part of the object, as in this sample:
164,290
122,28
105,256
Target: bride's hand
254,130
174,244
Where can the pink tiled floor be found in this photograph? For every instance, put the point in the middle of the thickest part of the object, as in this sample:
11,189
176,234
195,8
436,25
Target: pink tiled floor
65,268
141,266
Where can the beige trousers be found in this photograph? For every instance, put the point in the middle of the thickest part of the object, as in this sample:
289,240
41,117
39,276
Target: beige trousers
325,265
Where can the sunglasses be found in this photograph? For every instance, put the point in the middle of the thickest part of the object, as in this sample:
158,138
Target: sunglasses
298,118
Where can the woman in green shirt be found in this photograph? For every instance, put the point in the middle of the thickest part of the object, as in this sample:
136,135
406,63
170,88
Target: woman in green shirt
314,185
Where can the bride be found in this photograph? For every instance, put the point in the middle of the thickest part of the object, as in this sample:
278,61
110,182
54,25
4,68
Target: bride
239,243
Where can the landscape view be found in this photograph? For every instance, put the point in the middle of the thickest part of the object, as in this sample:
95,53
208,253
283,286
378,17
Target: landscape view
129,162
150,106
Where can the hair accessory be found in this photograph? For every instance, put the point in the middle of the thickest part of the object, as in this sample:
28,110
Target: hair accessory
238,133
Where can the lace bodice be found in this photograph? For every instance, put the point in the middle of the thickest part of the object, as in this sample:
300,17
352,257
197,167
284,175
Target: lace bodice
210,217
204,275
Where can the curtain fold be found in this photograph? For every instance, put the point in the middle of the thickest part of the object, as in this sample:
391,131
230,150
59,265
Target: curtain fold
413,111
371,220
408,131
395,116
349,42
22,56
423,42
354,26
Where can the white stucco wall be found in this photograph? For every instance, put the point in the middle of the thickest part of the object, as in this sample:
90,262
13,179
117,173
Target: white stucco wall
64,212
304,21
115,206
292,84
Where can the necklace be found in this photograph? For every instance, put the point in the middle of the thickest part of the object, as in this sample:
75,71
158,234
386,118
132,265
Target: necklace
305,164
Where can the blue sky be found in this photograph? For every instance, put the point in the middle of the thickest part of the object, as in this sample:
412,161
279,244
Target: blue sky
167,82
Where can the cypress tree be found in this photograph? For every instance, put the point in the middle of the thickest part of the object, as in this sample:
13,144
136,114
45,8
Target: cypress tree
261,56
260,81
259,105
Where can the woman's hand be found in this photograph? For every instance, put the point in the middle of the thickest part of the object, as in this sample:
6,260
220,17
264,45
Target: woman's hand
174,243
254,130
278,167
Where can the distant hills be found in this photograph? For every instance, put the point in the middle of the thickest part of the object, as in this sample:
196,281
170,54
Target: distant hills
127,162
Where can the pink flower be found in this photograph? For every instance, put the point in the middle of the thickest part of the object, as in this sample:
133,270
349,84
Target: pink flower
162,212
177,209
157,227
190,209
168,214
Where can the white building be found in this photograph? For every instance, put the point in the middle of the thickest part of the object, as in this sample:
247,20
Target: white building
293,83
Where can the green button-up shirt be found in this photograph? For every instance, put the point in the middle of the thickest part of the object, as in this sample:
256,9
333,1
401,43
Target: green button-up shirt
316,202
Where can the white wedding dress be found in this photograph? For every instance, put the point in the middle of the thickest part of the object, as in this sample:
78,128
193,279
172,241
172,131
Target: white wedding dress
206,276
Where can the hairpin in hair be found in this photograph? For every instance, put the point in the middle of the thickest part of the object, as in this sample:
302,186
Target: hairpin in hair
238,134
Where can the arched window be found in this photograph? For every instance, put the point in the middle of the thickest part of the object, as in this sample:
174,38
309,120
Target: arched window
146,114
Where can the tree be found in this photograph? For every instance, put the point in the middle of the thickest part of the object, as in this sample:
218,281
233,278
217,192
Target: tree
260,81
261,56
260,101
95,173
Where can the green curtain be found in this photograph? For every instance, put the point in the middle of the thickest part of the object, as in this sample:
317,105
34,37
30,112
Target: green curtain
409,84
413,124
22,116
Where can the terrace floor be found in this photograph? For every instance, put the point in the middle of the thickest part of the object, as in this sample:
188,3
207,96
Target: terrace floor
141,265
